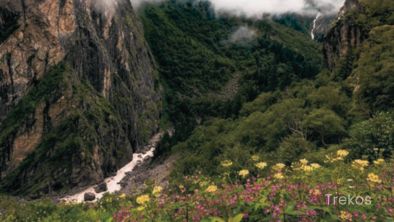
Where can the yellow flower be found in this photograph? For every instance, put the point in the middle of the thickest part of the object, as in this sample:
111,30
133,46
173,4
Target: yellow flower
315,165
226,163
122,196
378,161
373,178
255,158
261,165
212,189
360,164
315,192
157,190
307,169
140,208
342,153
143,199
243,173
278,167
279,176
304,161
346,216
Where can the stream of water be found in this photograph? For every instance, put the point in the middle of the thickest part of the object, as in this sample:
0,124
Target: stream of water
113,183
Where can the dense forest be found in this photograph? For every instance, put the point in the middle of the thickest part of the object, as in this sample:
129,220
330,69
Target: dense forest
209,74
285,103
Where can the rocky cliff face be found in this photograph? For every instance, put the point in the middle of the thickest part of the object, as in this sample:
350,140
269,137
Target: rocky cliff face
344,36
78,92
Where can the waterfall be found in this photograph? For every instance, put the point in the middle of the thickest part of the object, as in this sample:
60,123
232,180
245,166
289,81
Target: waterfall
314,25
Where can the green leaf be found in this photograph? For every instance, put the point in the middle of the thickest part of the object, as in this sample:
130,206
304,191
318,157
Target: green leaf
237,218
213,219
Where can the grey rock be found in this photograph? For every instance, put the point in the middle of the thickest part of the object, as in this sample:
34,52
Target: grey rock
89,196
102,187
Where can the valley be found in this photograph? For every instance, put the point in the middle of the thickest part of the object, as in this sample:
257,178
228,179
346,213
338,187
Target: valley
189,110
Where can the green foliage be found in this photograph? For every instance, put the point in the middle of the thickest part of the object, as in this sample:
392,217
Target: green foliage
48,211
375,68
370,137
261,103
297,22
293,116
282,125
377,12
293,147
196,58
324,124
330,96
263,192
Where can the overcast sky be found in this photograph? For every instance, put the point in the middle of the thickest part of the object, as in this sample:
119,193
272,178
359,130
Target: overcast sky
254,8
259,7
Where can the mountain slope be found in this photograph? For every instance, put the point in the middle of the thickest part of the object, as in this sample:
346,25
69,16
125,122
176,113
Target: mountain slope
310,116
78,93
199,51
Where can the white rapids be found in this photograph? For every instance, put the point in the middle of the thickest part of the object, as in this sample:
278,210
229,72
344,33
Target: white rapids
314,25
113,183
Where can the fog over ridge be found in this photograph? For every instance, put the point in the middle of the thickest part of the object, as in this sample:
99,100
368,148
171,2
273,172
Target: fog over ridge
257,8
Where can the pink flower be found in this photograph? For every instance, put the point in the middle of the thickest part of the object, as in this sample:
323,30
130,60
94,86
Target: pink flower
301,205
311,213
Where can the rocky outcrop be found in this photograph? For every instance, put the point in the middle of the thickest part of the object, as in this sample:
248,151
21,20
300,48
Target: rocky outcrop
344,36
78,92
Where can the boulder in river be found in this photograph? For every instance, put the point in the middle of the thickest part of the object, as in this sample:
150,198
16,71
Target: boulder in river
89,196
102,187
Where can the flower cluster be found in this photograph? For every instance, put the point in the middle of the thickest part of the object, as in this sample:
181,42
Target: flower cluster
243,173
373,178
303,165
253,193
340,155
226,163
360,164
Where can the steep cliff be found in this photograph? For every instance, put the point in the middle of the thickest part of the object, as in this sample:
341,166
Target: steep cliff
359,49
344,36
78,92
355,21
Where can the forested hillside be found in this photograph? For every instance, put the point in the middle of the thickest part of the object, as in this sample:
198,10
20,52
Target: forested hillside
296,113
211,64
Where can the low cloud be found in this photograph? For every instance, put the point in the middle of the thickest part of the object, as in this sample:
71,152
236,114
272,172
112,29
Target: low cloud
243,34
106,7
253,8
257,8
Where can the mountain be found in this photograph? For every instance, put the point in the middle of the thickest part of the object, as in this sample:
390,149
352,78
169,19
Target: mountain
79,93
340,106
358,48
211,64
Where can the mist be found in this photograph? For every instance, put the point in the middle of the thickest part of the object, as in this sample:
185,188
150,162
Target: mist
257,8
253,8
106,7
243,34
